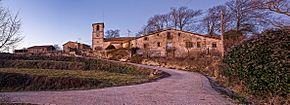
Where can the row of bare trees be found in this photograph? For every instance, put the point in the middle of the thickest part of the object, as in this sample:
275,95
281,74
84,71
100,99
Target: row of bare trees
245,16
180,18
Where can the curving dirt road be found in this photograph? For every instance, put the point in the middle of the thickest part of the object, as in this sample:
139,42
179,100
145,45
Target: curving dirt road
181,88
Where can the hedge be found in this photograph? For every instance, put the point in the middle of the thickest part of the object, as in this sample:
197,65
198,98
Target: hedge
21,82
261,65
67,63
41,64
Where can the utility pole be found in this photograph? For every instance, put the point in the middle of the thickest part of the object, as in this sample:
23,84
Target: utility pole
222,33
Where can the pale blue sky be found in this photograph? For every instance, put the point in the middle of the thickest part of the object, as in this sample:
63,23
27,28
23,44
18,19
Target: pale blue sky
58,21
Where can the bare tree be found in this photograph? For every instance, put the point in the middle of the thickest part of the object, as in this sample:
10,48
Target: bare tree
211,21
281,7
184,19
246,16
278,6
9,29
112,33
180,18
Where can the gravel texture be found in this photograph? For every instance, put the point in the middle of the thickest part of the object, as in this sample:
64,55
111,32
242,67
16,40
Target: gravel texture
181,88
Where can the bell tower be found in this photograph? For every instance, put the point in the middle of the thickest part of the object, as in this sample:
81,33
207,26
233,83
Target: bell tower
98,36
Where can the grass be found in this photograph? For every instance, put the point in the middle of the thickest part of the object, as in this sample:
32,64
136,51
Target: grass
117,78
36,77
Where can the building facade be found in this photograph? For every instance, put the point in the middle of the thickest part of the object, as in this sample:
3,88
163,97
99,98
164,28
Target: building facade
165,43
75,46
41,49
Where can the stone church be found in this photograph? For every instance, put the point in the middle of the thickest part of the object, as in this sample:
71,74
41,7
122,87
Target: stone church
165,43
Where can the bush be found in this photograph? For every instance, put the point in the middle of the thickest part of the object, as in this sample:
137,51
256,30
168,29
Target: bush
137,59
113,67
66,63
20,82
41,64
261,65
5,56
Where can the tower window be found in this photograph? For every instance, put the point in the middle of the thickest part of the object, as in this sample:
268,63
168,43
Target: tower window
146,45
145,38
179,34
98,27
157,34
169,36
158,44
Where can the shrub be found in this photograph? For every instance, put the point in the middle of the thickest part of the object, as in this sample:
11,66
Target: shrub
20,82
66,63
137,59
261,65
41,64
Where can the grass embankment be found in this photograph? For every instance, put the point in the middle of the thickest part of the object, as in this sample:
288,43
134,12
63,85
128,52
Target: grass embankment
31,73
13,79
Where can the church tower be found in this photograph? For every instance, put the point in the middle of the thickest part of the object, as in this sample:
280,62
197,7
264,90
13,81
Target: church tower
98,36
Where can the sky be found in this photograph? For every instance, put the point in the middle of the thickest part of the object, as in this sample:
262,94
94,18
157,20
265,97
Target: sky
50,22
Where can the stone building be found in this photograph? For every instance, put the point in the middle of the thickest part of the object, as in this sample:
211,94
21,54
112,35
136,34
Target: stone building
165,43
75,46
20,51
41,49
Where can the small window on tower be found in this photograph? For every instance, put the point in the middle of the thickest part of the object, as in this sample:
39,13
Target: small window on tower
98,27
169,36
146,45
158,44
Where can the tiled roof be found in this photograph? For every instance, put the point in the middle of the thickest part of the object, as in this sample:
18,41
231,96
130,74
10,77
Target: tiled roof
119,39
44,46
76,43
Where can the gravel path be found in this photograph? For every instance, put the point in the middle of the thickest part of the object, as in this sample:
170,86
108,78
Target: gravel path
181,88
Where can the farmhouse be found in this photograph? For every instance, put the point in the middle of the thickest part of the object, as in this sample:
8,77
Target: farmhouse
41,49
75,46
165,43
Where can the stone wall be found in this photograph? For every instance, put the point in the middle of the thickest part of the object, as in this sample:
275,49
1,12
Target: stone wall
159,44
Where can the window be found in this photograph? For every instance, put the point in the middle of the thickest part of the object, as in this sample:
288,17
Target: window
179,34
214,45
157,34
146,45
158,44
188,44
169,36
145,38
198,44
98,27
